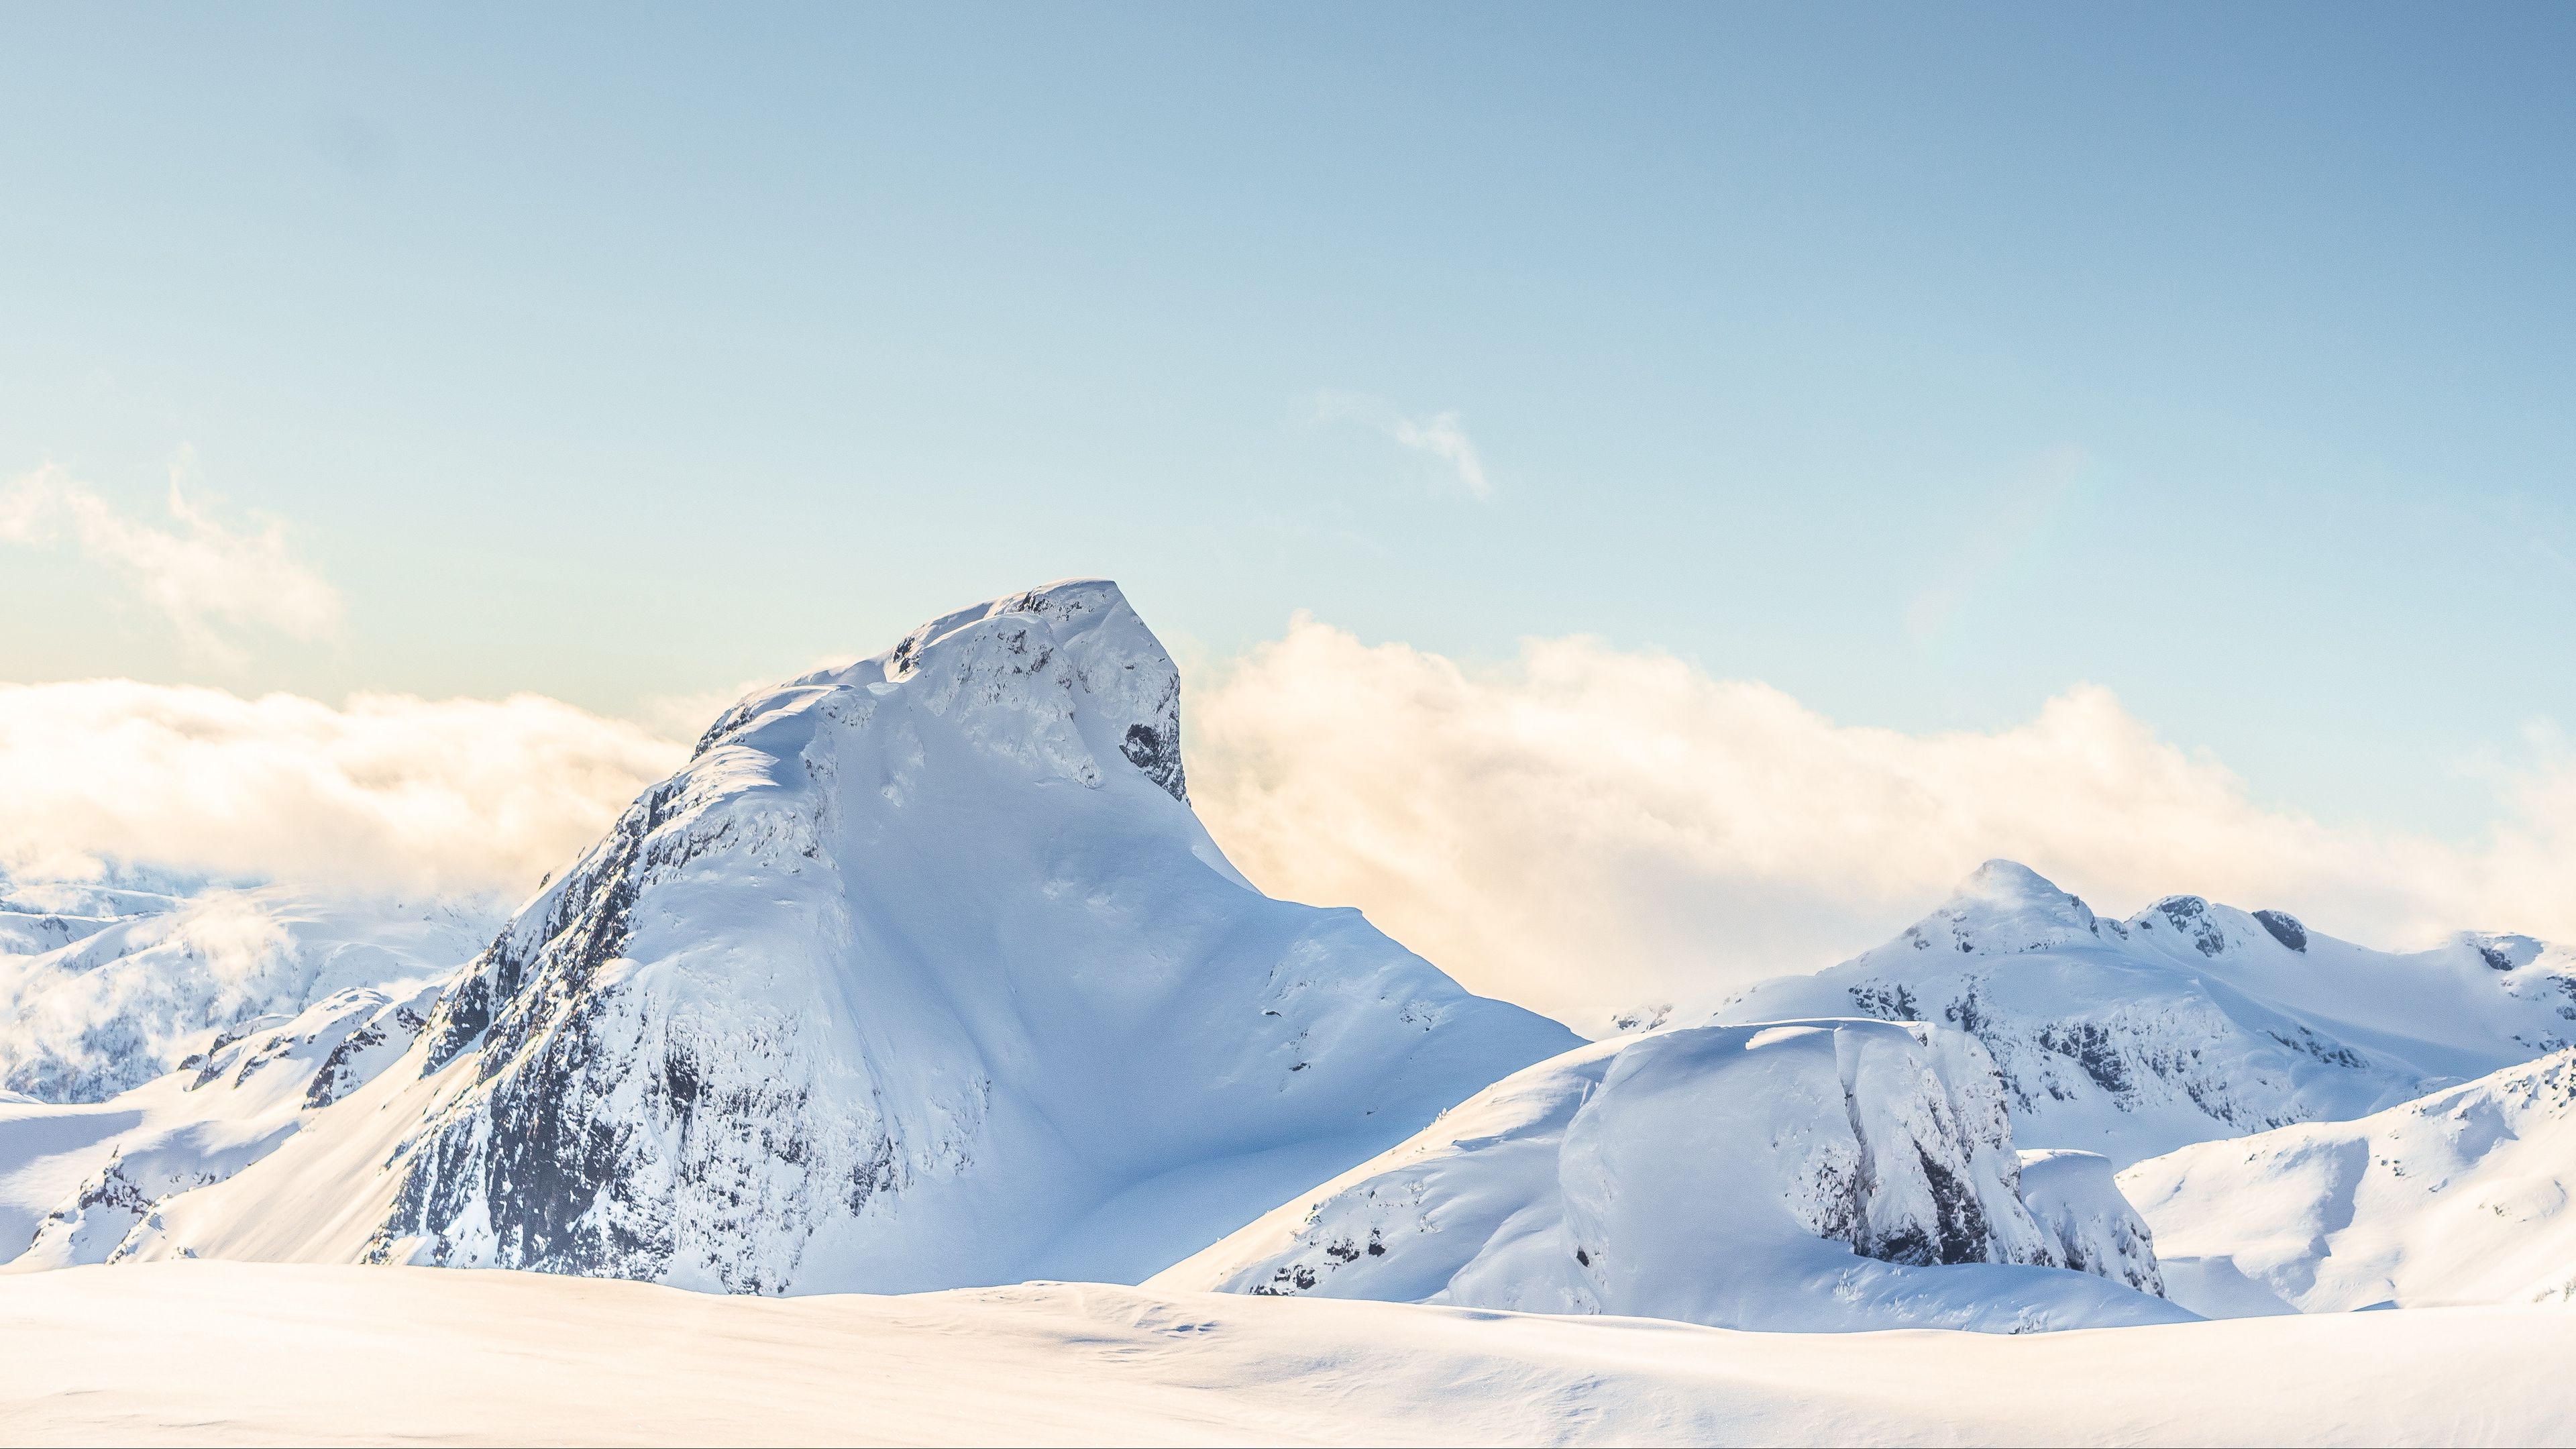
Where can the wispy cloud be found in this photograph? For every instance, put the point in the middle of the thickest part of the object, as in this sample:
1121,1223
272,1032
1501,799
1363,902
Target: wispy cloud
209,580
1441,436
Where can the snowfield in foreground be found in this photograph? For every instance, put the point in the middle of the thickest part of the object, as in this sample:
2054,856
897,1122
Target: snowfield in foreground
229,1352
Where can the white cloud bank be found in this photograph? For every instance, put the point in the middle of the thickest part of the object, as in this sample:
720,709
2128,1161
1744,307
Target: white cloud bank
390,792
1590,829
207,579
1585,830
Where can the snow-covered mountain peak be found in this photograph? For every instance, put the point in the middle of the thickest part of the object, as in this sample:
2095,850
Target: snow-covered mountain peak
920,973
2499,952
2186,927
2004,908
1064,679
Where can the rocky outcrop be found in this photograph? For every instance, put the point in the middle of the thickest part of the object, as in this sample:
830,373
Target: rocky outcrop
2074,1197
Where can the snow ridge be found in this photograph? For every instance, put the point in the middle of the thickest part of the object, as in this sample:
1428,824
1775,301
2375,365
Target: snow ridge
2458,1197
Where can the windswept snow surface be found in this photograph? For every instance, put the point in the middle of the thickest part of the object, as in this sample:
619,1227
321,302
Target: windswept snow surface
265,1353
921,974
1831,1175
105,985
2458,1198
2190,1020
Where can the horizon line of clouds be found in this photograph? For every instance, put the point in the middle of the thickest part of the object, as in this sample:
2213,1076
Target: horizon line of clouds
1582,830
208,580
1587,829
1441,436
386,793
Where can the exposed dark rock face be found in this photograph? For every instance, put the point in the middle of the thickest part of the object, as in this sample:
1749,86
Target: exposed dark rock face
1160,758
2190,915
2285,928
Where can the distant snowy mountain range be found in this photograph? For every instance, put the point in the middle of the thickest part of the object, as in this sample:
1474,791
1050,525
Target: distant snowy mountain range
2190,1020
923,974
105,985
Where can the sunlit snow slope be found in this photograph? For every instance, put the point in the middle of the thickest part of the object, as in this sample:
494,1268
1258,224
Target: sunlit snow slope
76,1180
2459,1197
1829,1175
920,974
2190,1020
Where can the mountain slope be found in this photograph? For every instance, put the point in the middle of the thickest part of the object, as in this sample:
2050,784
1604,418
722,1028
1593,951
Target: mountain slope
1826,1175
2189,1021
118,981
77,1179
2458,1197
920,974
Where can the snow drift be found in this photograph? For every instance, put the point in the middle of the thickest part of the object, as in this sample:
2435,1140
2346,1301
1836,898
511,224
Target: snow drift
921,973
2190,1020
1797,1175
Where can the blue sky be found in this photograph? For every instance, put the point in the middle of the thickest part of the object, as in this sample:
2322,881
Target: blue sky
1922,364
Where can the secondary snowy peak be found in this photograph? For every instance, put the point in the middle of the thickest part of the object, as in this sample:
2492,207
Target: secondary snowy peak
920,974
2190,1020
2458,1197
2003,908
1797,1175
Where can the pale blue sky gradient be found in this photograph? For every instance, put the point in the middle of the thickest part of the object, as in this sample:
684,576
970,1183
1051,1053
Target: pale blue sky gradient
1921,362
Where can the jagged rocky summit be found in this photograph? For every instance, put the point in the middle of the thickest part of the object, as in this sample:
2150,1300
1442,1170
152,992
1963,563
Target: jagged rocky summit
1819,1175
920,974
2190,1020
